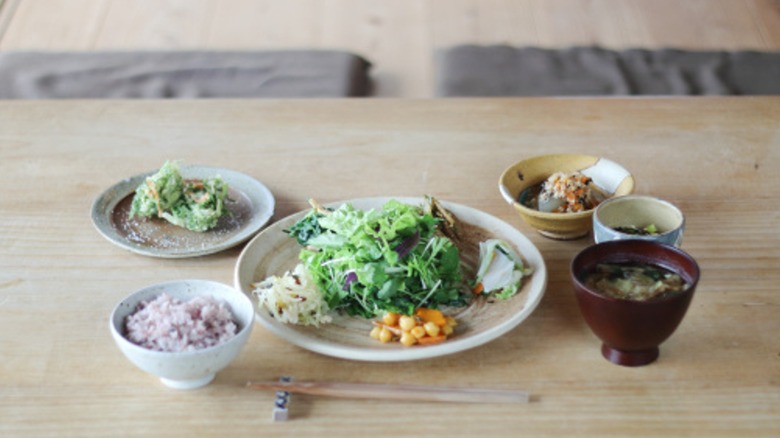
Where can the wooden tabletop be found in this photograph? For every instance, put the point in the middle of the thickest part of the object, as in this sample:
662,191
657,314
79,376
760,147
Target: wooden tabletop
716,158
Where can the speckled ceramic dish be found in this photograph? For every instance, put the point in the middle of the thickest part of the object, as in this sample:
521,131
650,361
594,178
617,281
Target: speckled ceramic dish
250,205
609,177
640,212
192,369
272,252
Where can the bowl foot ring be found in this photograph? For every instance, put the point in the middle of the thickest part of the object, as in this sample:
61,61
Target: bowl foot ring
188,384
634,358
562,235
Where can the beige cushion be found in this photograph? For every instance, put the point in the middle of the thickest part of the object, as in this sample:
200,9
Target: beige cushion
581,71
183,74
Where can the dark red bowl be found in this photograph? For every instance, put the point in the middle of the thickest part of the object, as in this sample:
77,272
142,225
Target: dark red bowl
631,331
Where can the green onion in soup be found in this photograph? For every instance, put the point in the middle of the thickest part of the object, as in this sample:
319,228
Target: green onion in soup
634,281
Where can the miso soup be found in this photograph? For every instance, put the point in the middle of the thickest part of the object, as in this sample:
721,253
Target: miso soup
633,281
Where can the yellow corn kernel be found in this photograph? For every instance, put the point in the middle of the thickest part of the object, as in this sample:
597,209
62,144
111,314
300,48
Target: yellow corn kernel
451,321
418,332
385,335
431,328
447,330
407,338
406,323
375,332
391,318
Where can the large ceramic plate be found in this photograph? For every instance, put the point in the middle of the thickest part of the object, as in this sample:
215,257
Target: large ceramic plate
250,204
272,252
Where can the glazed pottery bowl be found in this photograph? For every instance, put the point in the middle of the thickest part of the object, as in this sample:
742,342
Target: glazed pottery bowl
631,331
610,178
639,212
189,369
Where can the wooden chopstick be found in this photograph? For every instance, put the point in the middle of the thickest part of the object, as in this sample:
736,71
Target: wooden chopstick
396,392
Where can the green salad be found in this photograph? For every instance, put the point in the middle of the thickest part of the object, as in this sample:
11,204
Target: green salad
397,259
389,260
193,204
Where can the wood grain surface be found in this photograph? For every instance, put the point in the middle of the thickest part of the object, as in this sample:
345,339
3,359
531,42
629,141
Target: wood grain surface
400,38
716,158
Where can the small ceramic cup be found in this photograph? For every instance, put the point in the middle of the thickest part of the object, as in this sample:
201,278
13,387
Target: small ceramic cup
638,211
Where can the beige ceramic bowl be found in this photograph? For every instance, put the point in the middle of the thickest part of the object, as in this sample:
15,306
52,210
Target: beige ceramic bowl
611,178
189,369
639,211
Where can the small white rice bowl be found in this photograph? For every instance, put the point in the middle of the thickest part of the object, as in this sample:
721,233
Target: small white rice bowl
192,367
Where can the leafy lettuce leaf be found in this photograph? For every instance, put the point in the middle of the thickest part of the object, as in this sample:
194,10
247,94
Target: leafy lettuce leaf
370,262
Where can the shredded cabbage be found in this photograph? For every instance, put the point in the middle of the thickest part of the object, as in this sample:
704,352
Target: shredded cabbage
293,298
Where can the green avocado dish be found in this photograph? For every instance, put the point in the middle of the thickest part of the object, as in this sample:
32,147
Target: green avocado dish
193,204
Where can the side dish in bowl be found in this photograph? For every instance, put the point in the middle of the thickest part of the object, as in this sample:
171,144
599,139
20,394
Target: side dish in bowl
184,331
557,194
638,217
633,294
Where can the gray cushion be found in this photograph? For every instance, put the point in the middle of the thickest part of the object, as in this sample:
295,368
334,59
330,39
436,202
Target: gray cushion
182,74
580,71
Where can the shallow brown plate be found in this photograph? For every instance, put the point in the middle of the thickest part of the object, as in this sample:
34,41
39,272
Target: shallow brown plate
272,252
250,205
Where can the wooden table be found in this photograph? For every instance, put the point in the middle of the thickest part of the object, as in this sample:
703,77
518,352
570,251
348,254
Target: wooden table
716,158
